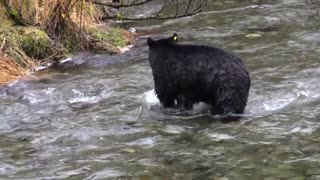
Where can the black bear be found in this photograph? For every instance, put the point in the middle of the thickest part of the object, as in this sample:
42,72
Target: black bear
188,74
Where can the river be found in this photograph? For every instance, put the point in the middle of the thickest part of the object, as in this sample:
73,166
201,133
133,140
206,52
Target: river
97,117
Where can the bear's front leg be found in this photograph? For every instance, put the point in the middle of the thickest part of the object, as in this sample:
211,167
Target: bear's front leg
165,96
164,92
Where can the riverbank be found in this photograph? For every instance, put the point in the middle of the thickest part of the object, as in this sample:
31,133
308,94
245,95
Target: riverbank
34,33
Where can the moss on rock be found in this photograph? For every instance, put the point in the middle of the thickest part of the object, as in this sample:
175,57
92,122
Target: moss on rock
36,43
112,38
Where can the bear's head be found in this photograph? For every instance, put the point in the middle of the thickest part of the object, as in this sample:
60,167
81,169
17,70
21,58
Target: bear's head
172,39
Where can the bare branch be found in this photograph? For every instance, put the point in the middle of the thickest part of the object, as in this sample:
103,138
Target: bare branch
181,8
188,6
177,7
120,5
314,14
3,43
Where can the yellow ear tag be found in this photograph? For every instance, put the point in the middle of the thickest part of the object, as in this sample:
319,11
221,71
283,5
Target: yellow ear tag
175,38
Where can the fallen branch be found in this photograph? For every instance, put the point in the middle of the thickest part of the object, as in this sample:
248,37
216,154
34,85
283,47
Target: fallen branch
120,5
3,43
314,14
181,8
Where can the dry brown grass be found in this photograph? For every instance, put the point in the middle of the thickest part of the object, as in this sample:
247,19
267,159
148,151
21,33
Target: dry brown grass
11,69
42,11
58,16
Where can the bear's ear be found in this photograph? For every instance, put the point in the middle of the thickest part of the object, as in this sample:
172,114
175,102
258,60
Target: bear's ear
150,41
174,37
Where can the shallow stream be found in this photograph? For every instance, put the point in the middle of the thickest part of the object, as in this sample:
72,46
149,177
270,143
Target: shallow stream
97,117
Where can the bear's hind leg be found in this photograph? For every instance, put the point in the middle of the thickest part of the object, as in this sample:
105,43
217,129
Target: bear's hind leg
229,102
167,100
184,103
229,109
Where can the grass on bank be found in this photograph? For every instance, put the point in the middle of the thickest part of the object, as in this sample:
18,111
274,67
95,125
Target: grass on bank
11,68
51,29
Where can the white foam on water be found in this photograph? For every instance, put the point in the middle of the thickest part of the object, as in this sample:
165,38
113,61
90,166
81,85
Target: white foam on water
108,173
272,19
5,168
303,130
275,104
148,141
173,129
80,97
220,137
150,97
34,97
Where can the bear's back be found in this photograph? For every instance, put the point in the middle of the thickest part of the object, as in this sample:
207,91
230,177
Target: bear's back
195,54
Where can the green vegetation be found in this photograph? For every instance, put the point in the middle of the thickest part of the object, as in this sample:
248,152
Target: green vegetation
114,35
35,32
36,43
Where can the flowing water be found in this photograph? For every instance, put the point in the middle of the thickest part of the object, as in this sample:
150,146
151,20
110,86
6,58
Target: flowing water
97,117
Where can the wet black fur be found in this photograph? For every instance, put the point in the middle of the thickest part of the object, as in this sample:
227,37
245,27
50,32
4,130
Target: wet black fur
188,74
